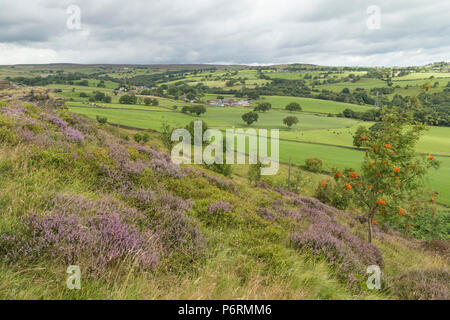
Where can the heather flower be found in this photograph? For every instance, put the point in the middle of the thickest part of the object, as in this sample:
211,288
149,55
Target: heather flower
96,241
324,237
14,111
219,182
60,123
220,206
73,135
430,284
266,214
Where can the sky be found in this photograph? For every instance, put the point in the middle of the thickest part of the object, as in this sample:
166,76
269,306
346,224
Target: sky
253,32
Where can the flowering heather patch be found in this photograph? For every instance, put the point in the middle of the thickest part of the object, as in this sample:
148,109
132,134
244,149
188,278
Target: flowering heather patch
220,206
15,111
57,121
143,198
162,164
73,135
176,229
266,214
347,253
431,284
164,168
220,183
121,175
166,213
96,241
38,139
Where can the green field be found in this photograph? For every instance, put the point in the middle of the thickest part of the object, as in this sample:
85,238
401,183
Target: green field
325,137
313,105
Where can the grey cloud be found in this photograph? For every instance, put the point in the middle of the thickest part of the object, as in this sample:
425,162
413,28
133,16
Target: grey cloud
233,31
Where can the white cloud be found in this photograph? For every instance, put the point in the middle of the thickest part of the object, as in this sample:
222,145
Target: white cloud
238,31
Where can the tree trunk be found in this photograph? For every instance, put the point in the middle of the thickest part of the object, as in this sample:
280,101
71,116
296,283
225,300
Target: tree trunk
370,222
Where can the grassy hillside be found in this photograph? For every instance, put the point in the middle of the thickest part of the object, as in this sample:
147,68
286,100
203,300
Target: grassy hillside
140,227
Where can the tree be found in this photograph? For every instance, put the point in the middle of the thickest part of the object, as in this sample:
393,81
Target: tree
190,96
166,135
360,136
128,99
348,113
191,129
390,182
250,118
263,107
293,106
198,110
185,109
290,121
147,101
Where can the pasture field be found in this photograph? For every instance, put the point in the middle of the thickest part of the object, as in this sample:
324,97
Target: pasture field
327,138
362,83
313,105
424,75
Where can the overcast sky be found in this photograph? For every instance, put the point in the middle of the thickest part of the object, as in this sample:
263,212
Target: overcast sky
325,32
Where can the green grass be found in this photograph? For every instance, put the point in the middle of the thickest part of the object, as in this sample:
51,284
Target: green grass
215,117
364,83
316,129
424,75
246,257
313,105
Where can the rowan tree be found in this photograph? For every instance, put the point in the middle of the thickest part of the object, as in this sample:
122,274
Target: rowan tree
392,173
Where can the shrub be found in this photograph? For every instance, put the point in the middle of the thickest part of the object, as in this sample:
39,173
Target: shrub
314,165
254,173
73,135
137,137
431,284
97,241
101,120
128,99
331,194
219,207
348,254
293,106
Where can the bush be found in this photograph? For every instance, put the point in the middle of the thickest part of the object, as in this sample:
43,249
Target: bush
325,238
128,99
314,165
432,284
223,169
101,120
254,173
67,234
332,195
293,106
